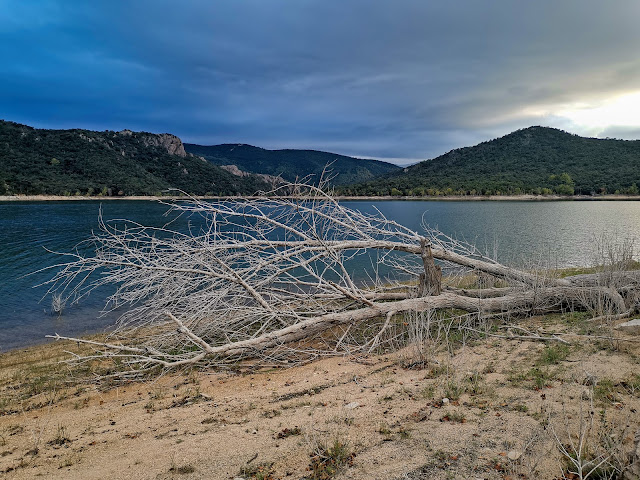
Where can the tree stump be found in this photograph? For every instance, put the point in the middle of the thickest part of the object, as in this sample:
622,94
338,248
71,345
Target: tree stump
430,282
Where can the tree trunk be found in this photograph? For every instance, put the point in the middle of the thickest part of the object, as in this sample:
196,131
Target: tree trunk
429,282
541,301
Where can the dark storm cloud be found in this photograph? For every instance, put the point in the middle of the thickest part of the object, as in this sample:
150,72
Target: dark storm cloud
406,79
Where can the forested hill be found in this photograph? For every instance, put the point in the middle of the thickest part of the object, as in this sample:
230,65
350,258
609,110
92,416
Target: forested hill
292,164
536,160
83,162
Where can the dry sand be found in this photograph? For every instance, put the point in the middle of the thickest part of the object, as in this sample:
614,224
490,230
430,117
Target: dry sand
223,426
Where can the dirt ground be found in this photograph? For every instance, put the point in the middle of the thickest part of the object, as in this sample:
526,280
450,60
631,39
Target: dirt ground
489,409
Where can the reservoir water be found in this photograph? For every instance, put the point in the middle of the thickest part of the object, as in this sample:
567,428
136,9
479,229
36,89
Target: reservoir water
558,233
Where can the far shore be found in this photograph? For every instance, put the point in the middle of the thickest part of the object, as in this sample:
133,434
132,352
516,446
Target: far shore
450,198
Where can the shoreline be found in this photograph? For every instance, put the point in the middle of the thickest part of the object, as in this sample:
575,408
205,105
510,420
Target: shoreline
452,198
497,198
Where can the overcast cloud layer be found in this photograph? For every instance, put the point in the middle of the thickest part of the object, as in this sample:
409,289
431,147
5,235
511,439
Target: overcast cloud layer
402,79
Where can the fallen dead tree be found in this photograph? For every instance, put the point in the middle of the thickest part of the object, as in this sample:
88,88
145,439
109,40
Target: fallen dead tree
264,278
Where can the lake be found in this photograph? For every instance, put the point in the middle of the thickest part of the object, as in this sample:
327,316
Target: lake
559,233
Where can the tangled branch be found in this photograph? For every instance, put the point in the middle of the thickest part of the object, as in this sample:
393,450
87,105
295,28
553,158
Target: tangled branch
262,278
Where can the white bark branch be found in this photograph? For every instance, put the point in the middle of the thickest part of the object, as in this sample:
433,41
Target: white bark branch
256,278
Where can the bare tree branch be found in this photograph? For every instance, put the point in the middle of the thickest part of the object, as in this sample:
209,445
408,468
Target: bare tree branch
253,278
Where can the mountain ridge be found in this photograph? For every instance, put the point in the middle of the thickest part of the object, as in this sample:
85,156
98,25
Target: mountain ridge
86,162
292,164
533,160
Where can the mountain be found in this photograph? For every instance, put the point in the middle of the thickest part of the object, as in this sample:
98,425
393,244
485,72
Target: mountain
292,164
73,162
537,160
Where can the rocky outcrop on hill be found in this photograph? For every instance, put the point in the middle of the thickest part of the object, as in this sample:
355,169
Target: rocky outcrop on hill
172,144
84,162
270,179
234,170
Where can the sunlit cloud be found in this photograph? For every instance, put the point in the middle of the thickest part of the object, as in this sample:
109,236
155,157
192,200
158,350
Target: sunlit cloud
594,118
622,111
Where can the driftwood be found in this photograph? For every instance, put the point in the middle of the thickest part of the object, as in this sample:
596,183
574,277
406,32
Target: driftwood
255,278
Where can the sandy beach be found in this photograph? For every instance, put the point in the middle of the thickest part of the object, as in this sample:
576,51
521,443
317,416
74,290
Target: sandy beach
488,410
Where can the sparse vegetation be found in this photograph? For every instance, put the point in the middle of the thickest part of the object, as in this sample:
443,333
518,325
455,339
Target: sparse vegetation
475,384
554,354
592,446
328,460
428,392
384,429
453,389
289,432
536,377
455,416
61,437
606,390
260,471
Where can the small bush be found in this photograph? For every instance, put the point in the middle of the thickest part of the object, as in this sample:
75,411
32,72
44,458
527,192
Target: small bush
289,432
536,377
453,390
327,461
261,471
453,417
554,354
475,384
61,437
606,390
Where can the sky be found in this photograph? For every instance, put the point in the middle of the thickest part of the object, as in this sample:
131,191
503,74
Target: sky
401,80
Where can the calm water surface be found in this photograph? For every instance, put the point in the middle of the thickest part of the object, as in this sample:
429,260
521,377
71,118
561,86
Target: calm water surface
561,233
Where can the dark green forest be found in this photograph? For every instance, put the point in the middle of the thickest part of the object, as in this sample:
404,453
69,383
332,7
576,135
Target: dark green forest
292,164
535,160
84,162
